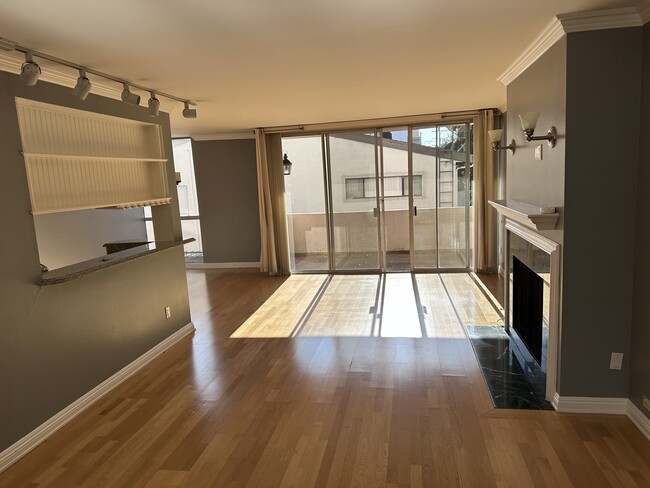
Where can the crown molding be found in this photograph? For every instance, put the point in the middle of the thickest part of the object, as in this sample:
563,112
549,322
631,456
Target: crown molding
60,75
576,22
549,36
644,12
603,19
225,136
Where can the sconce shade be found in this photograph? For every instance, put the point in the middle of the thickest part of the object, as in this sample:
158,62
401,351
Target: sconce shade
529,120
495,135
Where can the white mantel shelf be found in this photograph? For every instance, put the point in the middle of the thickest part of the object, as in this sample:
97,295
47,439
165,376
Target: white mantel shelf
538,218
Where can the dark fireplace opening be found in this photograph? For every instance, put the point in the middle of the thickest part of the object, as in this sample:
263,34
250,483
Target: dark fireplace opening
528,307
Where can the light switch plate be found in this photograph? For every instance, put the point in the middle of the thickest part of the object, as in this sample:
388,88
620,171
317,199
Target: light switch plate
168,312
538,153
617,361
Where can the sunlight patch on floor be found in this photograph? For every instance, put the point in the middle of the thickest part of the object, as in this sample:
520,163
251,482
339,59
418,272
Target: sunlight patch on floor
393,305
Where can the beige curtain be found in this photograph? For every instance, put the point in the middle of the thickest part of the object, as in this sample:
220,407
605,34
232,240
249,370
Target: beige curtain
485,189
274,257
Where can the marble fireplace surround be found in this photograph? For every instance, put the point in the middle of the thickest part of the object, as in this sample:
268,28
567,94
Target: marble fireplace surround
525,221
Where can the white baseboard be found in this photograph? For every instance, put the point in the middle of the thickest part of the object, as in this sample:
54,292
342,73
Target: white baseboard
638,418
221,265
17,450
615,406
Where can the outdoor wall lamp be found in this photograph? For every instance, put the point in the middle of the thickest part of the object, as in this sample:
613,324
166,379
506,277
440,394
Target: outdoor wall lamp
286,164
495,138
528,124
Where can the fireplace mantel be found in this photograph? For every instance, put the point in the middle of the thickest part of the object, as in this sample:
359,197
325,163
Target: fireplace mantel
538,218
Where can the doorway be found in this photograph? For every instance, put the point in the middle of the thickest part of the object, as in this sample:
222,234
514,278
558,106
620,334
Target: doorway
394,199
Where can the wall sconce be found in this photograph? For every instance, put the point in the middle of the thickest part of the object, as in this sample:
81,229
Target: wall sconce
495,138
286,164
528,124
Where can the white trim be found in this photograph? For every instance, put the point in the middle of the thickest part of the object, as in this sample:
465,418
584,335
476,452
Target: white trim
602,19
20,448
222,265
549,36
575,22
225,136
614,406
644,12
552,248
638,418
538,218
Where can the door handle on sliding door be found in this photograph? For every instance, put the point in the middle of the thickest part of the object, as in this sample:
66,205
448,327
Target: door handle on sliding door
415,211
375,212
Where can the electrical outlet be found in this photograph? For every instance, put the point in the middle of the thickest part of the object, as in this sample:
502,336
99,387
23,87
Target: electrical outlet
538,153
646,402
617,361
168,314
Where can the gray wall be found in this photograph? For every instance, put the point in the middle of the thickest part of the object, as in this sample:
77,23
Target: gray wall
640,350
603,94
541,88
226,180
57,342
71,237
588,85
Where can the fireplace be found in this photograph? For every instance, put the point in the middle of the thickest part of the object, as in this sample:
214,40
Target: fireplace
528,307
532,271
528,310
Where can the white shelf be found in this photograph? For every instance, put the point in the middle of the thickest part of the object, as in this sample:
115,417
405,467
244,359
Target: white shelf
92,158
121,206
80,160
538,218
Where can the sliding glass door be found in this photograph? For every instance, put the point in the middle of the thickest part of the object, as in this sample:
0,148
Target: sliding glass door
381,200
441,156
351,159
395,202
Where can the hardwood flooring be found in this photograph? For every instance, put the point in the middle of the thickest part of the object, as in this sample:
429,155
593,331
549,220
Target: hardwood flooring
328,382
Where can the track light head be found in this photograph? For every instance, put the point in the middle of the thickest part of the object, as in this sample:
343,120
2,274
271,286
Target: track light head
189,113
154,105
129,97
83,86
30,71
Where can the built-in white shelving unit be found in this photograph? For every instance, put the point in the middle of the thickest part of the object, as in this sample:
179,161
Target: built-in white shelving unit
80,160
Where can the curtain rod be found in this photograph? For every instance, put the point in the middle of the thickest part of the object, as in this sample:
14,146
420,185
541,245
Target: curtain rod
376,121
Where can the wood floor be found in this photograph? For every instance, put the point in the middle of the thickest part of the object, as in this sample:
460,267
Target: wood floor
328,382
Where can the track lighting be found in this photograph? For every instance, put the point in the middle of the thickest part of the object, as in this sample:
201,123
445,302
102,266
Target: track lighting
83,86
30,71
154,105
7,45
129,97
189,113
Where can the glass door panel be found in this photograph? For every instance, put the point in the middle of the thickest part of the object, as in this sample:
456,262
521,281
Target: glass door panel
305,204
425,200
395,198
453,159
354,208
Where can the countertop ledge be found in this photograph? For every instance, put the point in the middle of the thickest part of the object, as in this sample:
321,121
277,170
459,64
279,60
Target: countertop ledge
79,270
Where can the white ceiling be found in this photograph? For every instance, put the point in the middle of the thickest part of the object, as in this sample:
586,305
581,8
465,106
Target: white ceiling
258,63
